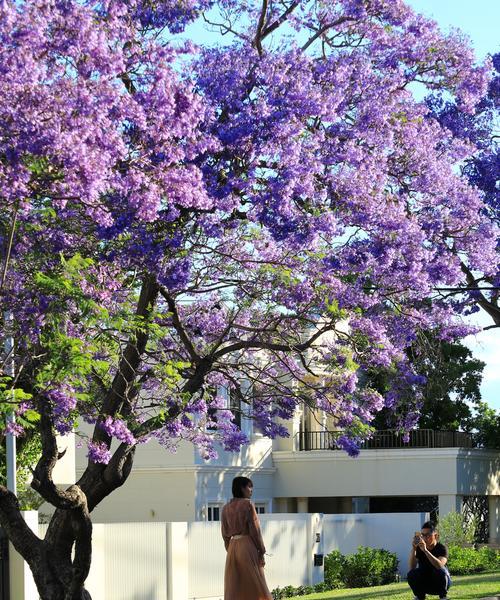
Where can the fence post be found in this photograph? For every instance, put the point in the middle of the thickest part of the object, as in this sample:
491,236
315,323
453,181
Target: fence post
177,561
22,584
314,534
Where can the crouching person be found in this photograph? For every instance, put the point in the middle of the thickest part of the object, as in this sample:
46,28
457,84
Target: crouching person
428,572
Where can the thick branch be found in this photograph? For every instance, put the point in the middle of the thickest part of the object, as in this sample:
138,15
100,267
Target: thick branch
260,27
25,541
492,309
279,21
82,529
131,358
42,476
259,345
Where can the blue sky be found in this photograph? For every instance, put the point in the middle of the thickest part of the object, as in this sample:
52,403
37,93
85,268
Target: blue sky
480,19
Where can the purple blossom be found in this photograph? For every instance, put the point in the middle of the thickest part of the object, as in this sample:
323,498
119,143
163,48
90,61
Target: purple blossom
98,452
13,428
268,194
350,445
118,429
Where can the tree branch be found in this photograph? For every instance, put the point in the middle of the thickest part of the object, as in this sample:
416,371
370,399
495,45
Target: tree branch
323,30
257,42
246,344
279,21
42,481
493,310
24,540
195,357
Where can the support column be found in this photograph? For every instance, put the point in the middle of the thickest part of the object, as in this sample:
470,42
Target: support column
302,505
494,519
449,503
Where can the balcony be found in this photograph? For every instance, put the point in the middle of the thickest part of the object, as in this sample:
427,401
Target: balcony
387,439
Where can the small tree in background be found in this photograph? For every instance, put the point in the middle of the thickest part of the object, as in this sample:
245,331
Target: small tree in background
456,530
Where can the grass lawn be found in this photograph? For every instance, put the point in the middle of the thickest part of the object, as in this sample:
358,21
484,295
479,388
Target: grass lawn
470,587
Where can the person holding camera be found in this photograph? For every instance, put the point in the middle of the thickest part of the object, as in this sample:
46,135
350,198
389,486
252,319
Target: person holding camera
428,557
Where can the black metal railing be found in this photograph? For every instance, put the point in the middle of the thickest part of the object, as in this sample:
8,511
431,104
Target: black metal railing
386,439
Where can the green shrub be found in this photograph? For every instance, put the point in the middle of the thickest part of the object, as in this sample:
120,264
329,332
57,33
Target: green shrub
369,566
334,567
303,590
465,561
490,558
455,530
286,592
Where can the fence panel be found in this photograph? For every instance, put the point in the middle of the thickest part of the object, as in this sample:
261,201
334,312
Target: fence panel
390,531
287,543
206,559
129,561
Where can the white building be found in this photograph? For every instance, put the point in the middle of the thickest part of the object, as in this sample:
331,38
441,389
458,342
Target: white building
300,474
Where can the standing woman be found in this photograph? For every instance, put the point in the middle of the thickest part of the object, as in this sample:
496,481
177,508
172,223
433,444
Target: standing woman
244,574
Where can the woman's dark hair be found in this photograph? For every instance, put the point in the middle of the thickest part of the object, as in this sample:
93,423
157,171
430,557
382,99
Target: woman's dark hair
238,484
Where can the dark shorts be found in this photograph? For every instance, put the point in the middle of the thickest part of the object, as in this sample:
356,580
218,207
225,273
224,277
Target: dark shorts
429,581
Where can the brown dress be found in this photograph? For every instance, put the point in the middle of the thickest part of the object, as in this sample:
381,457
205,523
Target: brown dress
244,574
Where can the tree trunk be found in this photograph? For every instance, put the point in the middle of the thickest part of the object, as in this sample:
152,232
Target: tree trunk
61,566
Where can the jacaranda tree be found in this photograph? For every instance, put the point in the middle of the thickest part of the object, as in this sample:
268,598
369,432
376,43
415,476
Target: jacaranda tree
479,127
271,216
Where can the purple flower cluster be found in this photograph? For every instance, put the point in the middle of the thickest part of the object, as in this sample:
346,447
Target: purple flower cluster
268,218
98,452
63,402
118,429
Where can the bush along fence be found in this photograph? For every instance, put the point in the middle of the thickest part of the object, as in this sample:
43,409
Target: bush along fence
371,566
466,561
366,567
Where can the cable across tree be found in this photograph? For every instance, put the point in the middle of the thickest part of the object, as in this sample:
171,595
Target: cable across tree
177,219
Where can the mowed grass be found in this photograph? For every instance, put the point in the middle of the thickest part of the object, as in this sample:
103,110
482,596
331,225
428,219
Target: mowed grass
469,587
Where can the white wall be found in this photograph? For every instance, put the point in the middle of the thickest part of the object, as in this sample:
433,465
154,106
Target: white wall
151,495
390,531
179,561
437,471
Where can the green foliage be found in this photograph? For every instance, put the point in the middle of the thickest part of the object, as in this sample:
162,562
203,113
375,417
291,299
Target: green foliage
334,568
369,566
486,425
455,530
28,453
303,590
453,386
466,561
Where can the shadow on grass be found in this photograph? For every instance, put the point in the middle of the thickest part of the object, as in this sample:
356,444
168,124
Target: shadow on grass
387,593
461,589
482,578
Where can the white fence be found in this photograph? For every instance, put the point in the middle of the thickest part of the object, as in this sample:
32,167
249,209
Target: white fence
185,561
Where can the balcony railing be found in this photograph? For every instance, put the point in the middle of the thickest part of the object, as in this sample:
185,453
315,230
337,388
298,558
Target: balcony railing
387,438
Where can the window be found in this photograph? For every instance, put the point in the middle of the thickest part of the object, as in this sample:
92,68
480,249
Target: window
260,508
213,512
235,405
